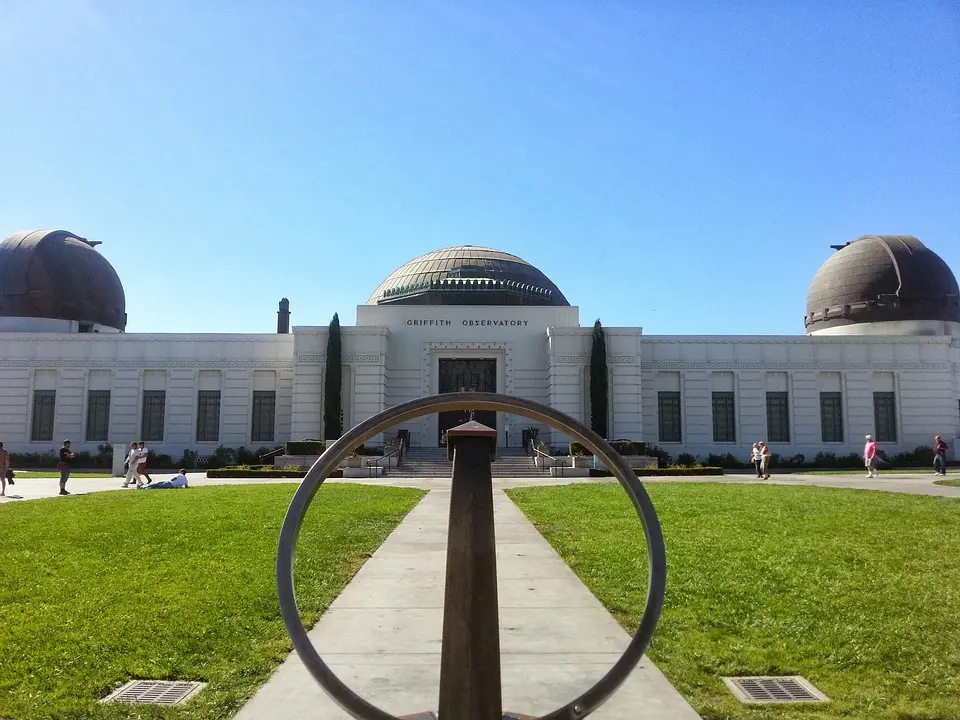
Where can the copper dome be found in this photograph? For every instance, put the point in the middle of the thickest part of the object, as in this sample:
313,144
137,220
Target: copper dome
58,275
881,278
467,275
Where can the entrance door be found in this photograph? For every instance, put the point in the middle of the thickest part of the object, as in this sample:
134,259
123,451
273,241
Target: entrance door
466,375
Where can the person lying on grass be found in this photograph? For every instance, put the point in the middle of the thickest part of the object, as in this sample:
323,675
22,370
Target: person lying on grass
180,481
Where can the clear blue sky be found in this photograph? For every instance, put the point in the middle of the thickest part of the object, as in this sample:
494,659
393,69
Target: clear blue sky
679,166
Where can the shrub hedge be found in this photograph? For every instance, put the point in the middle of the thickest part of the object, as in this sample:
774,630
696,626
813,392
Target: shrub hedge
669,471
228,473
919,457
304,447
630,447
251,473
624,447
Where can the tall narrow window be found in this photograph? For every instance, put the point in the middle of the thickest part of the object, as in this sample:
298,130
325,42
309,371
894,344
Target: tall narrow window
44,402
264,415
98,415
154,403
724,417
831,417
778,417
668,410
885,416
208,416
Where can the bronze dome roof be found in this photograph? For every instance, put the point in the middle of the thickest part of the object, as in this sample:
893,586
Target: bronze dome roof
879,278
56,274
467,275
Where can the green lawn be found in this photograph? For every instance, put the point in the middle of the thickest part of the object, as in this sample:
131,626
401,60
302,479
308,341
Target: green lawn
858,591
104,588
950,482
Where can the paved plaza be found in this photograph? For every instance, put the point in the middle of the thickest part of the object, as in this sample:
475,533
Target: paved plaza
914,483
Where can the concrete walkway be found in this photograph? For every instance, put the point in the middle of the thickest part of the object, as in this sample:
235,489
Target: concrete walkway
381,636
918,483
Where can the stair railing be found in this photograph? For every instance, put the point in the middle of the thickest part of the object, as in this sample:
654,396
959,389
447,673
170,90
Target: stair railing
397,451
539,454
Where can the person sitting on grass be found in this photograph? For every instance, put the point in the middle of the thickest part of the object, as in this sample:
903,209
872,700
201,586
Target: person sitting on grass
180,481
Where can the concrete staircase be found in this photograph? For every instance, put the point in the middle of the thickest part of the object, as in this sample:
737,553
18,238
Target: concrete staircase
515,463
423,463
432,462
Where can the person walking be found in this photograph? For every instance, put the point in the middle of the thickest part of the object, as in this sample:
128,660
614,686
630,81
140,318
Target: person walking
4,469
939,456
142,462
766,456
131,463
64,464
870,457
757,456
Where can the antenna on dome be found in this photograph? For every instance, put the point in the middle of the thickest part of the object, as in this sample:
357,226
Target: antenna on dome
91,243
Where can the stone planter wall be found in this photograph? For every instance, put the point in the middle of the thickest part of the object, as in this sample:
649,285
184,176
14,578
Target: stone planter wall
304,461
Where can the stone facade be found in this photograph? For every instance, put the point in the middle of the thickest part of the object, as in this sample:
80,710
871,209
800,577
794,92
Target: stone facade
393,354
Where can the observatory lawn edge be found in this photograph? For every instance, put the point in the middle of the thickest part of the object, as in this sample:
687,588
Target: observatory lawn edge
100,589
858,591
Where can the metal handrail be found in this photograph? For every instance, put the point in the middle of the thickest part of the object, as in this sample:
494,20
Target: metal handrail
553,461
272,452
581,706
376,463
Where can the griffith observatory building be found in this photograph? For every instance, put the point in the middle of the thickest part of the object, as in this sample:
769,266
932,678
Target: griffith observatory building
880,355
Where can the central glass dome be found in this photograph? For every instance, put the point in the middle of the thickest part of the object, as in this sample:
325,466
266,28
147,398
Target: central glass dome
467,275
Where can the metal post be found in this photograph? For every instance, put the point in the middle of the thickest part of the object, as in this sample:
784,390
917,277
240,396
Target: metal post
470,654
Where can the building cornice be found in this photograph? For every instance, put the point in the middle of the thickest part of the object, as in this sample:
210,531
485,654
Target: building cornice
145,337
798,339
145,363
375,330
720,365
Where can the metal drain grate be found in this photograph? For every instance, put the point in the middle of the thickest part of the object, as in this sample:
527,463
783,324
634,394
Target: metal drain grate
788,689
155,692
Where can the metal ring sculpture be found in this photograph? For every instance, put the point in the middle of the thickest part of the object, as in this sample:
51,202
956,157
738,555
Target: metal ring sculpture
328,462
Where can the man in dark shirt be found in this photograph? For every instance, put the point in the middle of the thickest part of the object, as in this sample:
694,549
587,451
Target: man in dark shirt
939,456
66,460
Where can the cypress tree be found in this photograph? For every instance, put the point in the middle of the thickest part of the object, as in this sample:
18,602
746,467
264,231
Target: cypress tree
598,381
333,402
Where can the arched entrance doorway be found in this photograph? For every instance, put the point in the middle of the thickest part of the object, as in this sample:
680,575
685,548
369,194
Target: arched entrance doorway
466,374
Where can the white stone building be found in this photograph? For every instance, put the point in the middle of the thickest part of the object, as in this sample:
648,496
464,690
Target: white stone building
881,356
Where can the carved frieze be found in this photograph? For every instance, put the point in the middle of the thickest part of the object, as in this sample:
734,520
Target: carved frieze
361,359
583,359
